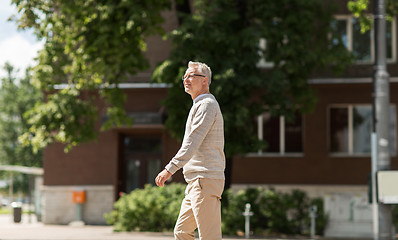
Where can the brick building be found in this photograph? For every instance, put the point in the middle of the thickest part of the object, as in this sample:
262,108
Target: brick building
324,152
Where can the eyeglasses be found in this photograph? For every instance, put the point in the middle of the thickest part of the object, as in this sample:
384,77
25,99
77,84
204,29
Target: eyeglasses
191,76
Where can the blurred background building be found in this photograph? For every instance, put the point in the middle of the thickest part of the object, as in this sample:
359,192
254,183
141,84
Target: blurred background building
325,153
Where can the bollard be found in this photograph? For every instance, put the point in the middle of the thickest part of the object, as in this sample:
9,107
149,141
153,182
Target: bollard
79,198
313,209
247,215
17,211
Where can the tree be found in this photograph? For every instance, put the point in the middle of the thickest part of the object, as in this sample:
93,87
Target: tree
225,34
16,97
89,46
360,9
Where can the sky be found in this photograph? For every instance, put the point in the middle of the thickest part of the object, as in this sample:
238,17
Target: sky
18,47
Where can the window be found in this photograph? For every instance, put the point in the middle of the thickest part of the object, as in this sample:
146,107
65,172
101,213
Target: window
350,127
362,45
282,136
263,62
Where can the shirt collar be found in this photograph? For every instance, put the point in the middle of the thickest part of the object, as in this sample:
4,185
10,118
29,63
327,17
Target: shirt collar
201,96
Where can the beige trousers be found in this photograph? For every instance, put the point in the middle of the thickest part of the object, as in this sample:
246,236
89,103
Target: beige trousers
201,208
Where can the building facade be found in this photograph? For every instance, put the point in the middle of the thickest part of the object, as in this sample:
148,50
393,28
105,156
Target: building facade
325,153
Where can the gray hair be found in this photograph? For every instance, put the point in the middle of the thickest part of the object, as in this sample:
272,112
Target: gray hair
201,68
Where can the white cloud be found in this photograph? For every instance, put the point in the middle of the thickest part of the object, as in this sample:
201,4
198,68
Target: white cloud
19,48
19,52
5,6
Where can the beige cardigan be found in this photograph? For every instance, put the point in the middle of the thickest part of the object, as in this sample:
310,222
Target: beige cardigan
202,151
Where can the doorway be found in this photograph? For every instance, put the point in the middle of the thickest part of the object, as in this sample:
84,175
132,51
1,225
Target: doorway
141,159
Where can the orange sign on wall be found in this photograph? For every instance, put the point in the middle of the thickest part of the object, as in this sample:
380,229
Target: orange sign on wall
79,196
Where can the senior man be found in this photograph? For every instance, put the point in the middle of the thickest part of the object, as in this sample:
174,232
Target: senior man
202,158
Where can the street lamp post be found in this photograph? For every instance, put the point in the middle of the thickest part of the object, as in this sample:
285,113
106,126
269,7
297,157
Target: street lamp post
381,108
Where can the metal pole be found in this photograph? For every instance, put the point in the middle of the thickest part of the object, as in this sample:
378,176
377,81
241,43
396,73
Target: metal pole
312,227
11,188
381,104
247,213
30,197
313,209
375,207
79,215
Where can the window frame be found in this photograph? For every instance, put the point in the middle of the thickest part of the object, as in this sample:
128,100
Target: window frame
349,29
350,137
282,138
263,63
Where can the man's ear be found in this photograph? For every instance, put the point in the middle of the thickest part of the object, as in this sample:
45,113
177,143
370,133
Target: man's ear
204,80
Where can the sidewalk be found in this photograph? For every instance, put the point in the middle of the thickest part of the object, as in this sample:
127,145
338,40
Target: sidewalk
33,230
38,231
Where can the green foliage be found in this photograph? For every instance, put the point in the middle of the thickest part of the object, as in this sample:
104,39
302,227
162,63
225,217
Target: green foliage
88,45
156,209
16,97
64,117
361,11
394,209
274,212
225,34
321,218
149,209
233,206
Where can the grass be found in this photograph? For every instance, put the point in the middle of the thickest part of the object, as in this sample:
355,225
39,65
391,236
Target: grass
8,210
5,210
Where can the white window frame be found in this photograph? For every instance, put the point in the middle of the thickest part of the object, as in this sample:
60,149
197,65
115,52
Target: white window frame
262,63
282,139
350,129
349,29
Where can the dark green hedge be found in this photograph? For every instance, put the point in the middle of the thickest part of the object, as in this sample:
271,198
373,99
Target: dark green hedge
274,212
156,209
395,215
149,209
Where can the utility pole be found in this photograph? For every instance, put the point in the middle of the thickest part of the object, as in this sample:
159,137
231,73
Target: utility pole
381,112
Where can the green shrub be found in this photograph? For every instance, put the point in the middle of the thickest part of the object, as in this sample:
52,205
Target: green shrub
156,209
150,209
274,212
234,205
394,210
321,218
286,213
